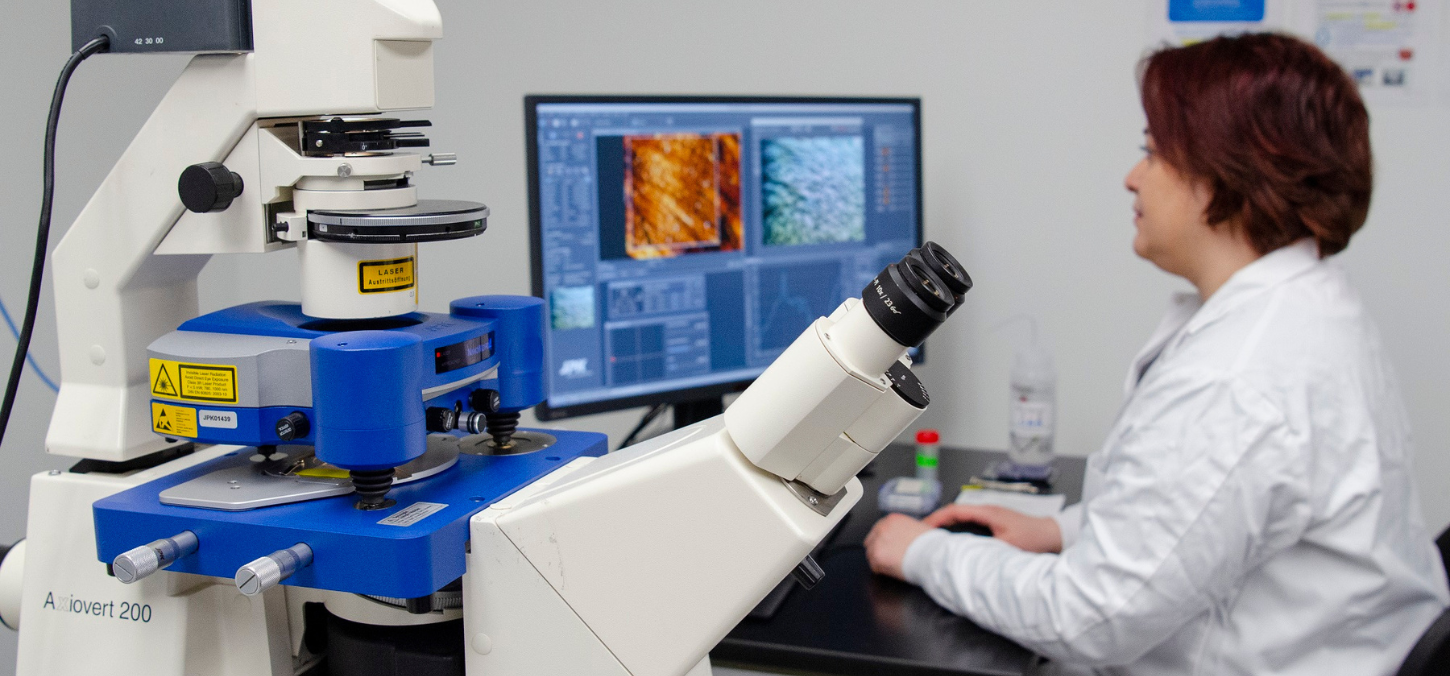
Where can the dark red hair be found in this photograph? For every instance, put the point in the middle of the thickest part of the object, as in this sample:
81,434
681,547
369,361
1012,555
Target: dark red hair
1275,127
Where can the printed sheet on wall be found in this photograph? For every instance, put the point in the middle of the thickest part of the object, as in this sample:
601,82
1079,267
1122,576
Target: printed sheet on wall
1393,48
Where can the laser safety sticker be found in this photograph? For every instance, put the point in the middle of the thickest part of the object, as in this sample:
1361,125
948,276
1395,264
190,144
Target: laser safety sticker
385,276
194,382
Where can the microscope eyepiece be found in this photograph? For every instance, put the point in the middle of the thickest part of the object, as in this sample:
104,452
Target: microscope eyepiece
908,300
947,269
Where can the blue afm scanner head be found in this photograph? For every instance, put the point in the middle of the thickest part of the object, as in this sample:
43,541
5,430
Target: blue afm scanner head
365,398
484,343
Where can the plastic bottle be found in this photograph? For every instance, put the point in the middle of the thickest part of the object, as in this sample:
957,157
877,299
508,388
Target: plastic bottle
1033,411
928,453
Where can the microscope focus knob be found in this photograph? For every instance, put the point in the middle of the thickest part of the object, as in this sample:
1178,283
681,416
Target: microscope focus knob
208,187
293,426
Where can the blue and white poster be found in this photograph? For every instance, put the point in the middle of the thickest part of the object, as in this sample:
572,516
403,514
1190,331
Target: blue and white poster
1392,48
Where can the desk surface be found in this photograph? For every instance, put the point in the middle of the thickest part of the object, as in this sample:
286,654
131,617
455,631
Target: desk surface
856,623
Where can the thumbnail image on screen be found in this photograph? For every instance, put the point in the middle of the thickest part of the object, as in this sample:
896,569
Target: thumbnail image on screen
680,194
814,189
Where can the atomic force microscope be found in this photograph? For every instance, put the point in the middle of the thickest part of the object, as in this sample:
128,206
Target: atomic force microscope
340,486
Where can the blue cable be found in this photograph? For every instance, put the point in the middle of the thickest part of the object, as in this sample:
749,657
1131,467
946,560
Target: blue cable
28,357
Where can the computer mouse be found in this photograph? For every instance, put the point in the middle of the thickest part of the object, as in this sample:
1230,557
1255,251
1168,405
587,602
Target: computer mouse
969,527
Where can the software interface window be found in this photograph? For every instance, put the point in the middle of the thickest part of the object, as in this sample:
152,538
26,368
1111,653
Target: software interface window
687,244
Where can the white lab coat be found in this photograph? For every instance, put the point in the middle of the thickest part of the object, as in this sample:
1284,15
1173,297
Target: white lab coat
1251,512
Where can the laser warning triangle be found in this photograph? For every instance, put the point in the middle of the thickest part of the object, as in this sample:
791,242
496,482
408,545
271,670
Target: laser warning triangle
163,385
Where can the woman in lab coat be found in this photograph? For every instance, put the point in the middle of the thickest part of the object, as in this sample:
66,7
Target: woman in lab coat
1252,510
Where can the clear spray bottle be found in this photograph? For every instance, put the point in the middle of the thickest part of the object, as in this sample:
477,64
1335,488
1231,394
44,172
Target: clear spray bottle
1032,411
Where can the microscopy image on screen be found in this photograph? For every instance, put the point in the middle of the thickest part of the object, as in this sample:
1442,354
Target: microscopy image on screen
571,307
681,194
813,190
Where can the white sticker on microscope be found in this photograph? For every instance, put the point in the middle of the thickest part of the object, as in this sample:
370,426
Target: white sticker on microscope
412,514
221,419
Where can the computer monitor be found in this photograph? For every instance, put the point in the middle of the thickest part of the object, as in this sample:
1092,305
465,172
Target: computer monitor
682,243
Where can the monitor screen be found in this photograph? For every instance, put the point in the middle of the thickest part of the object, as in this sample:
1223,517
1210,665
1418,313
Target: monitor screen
682,243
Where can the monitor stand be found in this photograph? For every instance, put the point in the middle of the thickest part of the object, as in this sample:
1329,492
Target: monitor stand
690,412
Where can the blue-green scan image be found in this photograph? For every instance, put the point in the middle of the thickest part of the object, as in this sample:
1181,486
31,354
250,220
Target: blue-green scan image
813,189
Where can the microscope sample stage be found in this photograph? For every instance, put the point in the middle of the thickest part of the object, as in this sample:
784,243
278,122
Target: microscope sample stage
408,551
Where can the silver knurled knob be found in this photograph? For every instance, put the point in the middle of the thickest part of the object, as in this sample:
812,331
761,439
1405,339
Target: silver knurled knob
143,561
270,570
442,159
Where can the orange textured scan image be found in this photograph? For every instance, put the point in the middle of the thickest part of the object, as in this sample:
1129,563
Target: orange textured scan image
681,194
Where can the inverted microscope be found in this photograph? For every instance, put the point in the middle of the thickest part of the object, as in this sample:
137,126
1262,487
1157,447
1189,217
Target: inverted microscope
340,486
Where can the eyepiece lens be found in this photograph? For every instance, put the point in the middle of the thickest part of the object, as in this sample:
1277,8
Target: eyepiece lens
946,264
925,279
946,268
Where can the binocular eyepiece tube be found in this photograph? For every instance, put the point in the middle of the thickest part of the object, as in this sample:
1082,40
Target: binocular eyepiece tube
913,296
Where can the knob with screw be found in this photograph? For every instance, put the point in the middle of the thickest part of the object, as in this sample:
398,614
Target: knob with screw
141,562
270,570
208,187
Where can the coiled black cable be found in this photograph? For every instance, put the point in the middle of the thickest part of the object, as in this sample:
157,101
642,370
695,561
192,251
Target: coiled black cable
42,236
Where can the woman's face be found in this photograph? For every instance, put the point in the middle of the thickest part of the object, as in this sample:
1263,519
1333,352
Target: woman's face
1168,212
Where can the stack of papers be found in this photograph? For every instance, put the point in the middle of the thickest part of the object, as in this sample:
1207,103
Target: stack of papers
1027,503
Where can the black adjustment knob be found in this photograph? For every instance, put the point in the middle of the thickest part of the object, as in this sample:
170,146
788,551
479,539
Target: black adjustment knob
442,419
208,187
294,426
808,573
485,401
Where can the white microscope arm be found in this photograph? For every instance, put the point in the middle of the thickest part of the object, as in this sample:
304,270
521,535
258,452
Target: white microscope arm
640,562
125,273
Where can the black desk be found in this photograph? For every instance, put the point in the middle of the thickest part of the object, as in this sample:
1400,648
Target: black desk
857,623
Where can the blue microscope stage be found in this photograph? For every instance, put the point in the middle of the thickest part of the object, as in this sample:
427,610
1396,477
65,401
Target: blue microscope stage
406,551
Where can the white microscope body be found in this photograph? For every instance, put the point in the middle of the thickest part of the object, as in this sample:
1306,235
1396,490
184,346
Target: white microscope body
636,563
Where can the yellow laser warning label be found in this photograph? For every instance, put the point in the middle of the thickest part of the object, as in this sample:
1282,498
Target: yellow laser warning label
385,276
173,421
194,382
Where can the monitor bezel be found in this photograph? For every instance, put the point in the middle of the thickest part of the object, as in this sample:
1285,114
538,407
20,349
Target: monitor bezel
536,268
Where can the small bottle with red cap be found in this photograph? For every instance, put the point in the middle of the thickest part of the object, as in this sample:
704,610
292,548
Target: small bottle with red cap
928,453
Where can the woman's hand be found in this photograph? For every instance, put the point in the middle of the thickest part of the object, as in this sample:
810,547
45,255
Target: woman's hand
887,542
889,539
1029,533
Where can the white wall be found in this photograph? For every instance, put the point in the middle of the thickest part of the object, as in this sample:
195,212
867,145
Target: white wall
1031,120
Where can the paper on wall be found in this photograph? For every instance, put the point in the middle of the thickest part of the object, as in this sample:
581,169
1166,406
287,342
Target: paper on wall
1392,48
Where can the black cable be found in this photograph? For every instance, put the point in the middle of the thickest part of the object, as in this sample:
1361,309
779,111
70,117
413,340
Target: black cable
644,422
42,235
